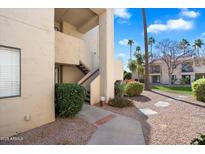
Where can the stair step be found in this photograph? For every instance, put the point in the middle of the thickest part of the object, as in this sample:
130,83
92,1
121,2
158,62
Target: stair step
83,68
87,100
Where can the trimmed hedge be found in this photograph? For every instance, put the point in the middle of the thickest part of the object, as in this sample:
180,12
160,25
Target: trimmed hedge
198,88
134,89
69,99
120,102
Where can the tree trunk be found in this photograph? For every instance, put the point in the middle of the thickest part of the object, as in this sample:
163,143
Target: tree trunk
170,78
147,85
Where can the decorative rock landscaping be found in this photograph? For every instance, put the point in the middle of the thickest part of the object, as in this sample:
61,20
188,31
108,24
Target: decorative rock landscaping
148,111
161,104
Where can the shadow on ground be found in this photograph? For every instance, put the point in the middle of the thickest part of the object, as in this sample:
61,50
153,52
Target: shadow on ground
146,128
141,98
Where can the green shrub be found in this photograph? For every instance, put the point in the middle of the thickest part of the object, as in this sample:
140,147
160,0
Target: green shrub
199,141
119,89
141,80
120,102
69,99
184,81
134,89
198,88
127,75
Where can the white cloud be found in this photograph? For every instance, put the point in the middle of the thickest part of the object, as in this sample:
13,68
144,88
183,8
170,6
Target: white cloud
121,55
123,42
172,24
122,13
203,34
190,14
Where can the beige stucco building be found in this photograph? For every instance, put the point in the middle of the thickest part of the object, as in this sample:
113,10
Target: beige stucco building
34,56
192,68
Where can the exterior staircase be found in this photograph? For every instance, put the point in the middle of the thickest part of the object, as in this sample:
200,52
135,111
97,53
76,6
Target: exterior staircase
83,68
87,79
87,98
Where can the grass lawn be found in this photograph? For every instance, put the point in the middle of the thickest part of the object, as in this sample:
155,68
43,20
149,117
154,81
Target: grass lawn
173,89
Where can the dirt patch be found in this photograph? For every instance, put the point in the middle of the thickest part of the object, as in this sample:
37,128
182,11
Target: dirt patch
63,131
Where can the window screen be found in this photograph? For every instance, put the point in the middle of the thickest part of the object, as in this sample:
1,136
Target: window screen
9,72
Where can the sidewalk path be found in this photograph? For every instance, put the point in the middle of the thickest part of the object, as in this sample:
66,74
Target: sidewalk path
112,128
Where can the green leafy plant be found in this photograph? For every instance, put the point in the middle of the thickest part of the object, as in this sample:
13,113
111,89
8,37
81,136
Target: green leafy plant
199,141
133,89
127,75
198,88
119,89
69,99
184,81
120,102
132,65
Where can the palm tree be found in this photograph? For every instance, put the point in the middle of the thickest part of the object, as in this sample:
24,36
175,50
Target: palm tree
140,64
138,49
151,41
132,65
147,85
198,43
184,44
130,43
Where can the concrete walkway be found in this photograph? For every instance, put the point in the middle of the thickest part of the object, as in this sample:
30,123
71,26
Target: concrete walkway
112,128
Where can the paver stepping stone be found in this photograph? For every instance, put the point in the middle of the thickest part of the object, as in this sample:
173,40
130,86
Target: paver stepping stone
148,111
161,104
169,99
181,96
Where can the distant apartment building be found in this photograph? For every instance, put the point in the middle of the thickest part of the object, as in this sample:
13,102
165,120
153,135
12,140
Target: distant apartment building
41,47
191,69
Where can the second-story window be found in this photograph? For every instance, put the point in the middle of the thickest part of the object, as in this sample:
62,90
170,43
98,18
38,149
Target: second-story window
155,69
187,67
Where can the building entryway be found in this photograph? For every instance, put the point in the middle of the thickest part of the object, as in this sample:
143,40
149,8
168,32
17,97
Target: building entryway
58,74
156,79
187,79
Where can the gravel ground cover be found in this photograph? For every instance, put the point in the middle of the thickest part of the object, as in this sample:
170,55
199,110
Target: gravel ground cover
61,132
177,123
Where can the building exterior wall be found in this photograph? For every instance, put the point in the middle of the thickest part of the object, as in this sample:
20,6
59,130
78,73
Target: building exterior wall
92,40
71,50
32,31
106,54
95,91
71,74
67,49
164,78
69,29
118,71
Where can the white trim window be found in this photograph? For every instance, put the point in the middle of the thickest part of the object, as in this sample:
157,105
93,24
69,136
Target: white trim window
9,72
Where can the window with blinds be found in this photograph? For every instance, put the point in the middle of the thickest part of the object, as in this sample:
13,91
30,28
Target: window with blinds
9,72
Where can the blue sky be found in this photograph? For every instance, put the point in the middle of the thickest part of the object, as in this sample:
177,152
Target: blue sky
174,24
